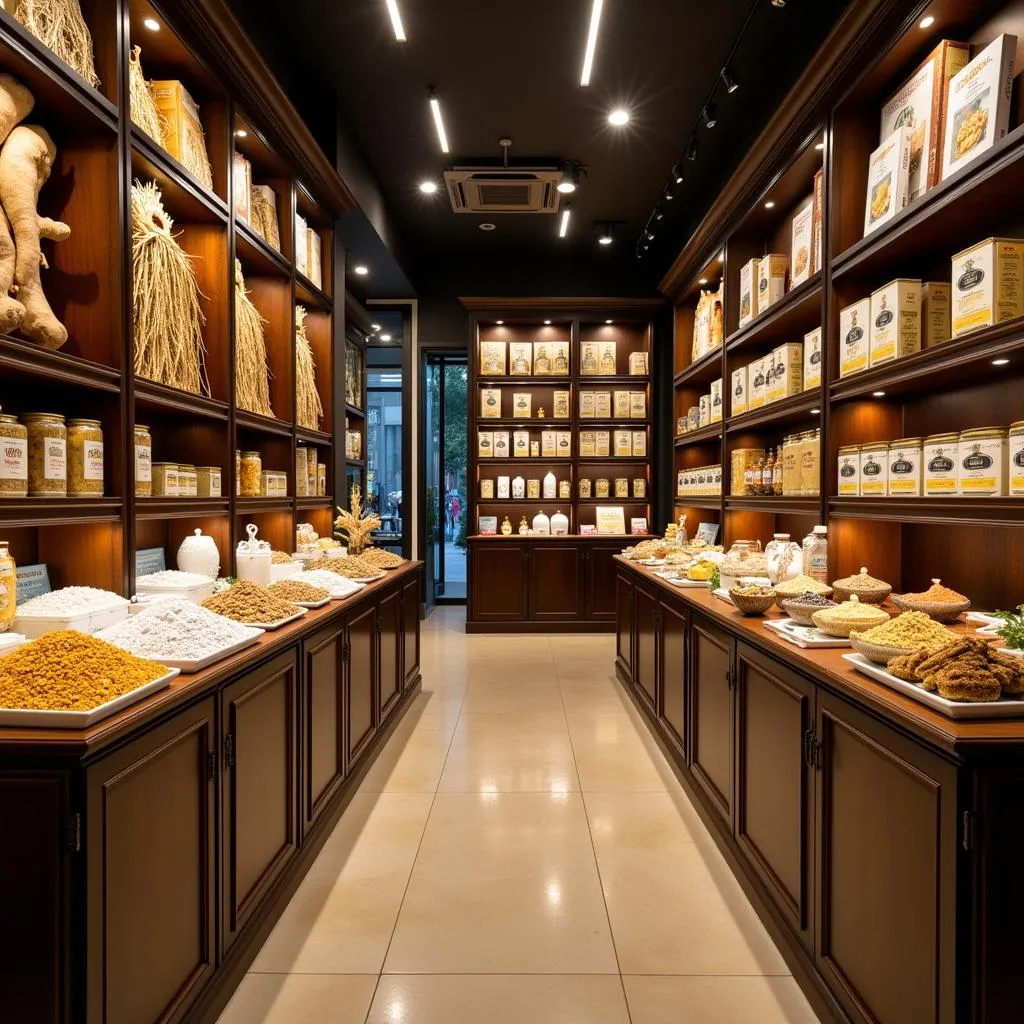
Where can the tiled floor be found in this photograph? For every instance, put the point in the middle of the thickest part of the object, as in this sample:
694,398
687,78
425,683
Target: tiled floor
519,854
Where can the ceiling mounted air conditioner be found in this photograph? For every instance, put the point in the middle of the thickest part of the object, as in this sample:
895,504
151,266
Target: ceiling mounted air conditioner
503,189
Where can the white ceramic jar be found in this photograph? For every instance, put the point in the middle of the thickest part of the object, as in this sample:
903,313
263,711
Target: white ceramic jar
199,554
541,525
559,525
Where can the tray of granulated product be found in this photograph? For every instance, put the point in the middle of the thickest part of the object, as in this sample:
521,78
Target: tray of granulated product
311,604
270,626
36,719
189,665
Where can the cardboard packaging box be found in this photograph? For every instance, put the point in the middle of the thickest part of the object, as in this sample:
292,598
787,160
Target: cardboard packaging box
588,444
564,442
895,320
812,359
716,401
771,281
988,284
490,403
301,244
548,444
817,221
854,337
623,444
241,187
757,373
640,443
978,110
484,444
935,317
492,359
502,449
522,405
705,410
181,117
602,444
748,291
738,390
561,405
314,257
803,243
637,405
638,364
520,444
788,371
888,179
586,405
602,405
622,404
920,105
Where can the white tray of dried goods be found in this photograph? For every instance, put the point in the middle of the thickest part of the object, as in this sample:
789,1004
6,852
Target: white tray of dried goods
271,626
83,719
311,604
1005,707
189,665
808,637
89,621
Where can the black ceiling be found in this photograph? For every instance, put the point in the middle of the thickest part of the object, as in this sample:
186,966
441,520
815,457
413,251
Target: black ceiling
513,68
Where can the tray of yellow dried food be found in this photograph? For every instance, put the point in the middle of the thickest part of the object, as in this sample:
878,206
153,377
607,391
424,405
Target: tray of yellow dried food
67,680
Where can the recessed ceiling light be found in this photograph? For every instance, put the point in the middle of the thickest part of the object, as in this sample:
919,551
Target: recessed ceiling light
703,280
499,322
241,133
385,337
486,226
396,20
152,24
376,327
1000,362
547,323
428,187
605,239
927,21
566,186
878,394
609,321
588,53
819,145
815,411
768,205
442,135
619,117
361,269
563,226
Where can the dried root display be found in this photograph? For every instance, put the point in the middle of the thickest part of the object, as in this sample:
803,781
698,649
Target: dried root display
59,25
308,408
252,373
263,216
167,317
16,104
143,109
356,525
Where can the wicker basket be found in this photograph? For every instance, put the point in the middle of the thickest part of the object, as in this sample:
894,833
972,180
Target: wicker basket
802,613
868,595
877,653
781,593
939,612
752,604
843,627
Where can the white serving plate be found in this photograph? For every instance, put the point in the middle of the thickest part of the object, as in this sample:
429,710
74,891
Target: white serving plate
808,637
313,604
197,593
85,622
189,665
82,719
652,561
270,626
365,579
722,594
282,571
1007,707
10,642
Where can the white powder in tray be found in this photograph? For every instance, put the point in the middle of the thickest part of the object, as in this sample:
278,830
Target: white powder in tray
70,601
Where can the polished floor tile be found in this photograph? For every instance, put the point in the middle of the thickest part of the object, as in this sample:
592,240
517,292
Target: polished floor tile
612,756
654,1000
301,999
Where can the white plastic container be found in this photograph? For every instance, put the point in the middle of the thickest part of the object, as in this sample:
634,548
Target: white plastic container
197,593
85,622
559,525
253,559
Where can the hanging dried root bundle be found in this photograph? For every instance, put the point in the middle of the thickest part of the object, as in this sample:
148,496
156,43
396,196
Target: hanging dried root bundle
167,318
192,146
143,109
308,408
252,370
355,526
263,204
59,25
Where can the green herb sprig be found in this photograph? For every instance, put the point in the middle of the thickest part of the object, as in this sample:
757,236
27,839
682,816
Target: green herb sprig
1012,630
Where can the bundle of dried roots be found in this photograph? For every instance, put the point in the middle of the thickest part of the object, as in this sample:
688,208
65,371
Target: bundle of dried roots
59,25
308,408
143,110
355,525
252,370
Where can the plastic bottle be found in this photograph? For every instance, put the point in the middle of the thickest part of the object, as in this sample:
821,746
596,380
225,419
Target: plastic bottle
815,550
681,538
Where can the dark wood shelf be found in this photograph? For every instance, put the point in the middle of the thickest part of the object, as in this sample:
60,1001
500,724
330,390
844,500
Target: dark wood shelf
524,460
246,506
483,424
950,510
591,460
789,319
257,256
358,463
19,357
524,379
769,503
317,437
778,414
352,410
150,394
326,501
181,508
247,420
708,501
310,296
703,371
611,499
15,512
584,381
612,424
712,432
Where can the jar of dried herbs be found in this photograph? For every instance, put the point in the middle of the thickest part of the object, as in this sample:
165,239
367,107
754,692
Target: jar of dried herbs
47,455
143,462
321,479
85,459
187,481
208,482
165,479
13,457
251,473
8,588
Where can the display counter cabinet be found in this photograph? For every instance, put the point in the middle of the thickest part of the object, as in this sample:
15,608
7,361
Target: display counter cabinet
542,584
878,840
148,858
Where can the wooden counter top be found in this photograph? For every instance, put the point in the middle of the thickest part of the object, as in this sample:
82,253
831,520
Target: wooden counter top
955,736
86,743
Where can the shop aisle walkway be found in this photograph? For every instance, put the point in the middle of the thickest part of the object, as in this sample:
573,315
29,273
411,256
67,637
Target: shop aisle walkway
520,853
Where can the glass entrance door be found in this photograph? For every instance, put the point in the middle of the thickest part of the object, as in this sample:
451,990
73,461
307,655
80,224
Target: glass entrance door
446,380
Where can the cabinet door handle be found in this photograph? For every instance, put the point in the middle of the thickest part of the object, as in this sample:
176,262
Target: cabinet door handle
229,750
730,678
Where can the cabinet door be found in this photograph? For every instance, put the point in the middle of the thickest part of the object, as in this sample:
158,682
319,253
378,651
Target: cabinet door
887,846
323,719
624,625
775,783
389,631
711,718
259,813
556,582
672,666
411,629
600,603
150,875
498,581
645,670
361,682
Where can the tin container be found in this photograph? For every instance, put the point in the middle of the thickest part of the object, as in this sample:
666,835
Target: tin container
940,456
208,483
905,476
601,488
143,462
874,469
849,471
1016,458
165,479
187,481
983,458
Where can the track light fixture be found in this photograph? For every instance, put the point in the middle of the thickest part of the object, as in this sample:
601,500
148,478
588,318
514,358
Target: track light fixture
728,80
677,173
778,3
691,148
668,195
572,174
607,235
659,213
707,115
649,233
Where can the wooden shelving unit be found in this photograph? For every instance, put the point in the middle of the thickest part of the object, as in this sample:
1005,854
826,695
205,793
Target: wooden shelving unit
973,544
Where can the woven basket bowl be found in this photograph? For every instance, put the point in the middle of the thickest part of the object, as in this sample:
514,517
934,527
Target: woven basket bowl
876,596
781,595
752,604
843,627
877,653
801,613
938,612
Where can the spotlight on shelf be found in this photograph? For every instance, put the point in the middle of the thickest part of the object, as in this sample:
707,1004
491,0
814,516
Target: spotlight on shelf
703,280
547,323
428,187
563,227
659,213
152,24
769,205
385,337
691,148
609,321
486,226
361,269
878,394
376,327
618,117
778,3
1000,362
499,322
677,173
588,52
814,412
396,19
650,235
435,109
667,195
927,21
730,83
707,115
241,133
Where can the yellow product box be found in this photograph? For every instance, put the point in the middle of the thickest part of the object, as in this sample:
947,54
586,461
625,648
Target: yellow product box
638,405
757,373
854,337
787,375
490,403
739,391
314,258
812,359
874,469
564,441
586,405
241,187
988,284
623,444
180,115
640,443
802,243
588,447
548,444
602,405
895,320
520,444
771,281
935,325
748,291
716,401
501,444
302,247
561,405
622,404
602,444
484,444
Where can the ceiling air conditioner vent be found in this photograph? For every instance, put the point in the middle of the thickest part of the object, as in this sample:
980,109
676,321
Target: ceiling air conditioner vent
503,190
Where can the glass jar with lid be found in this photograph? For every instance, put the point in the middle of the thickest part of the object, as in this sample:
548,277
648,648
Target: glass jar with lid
143,462
47,455
208,482
13,457
187,481
251,474
321,479
165,479
85,458
8,588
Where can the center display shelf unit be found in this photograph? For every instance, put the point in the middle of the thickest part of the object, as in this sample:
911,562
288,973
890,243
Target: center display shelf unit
567,379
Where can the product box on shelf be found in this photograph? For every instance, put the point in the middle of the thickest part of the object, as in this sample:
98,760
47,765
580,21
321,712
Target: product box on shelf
738,391
490,403
301,244
520,358
488,526
787,374
638,405
812,359
854,337
771,281
603,404
757,373
588,444
486,490
895,321
520,444
502,447
748,291
716,401
920,105
988,284
935,315
848,472
549,443
1016,458
888,177
563,440
640,443
561,405
802,243
905,476
693,417
621,404
638,364
705,410
817,220
315,259
602,444
522,403
586,405
623,444
241,187
983,456
941,457
492,358
978,109
484,444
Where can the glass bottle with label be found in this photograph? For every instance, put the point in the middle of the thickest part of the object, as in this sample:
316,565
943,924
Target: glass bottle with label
85,458
815,552
777,471
13,457
8,588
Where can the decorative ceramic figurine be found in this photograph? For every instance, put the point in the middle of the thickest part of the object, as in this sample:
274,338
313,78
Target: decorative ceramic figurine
540,412
523,528
506,527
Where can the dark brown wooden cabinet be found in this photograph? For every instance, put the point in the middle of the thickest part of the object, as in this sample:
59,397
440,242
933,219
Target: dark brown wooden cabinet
411,633
389,639
499,581
672,663
599,585
775,781
323,720
556,582
711,712
624,598
645,667
362,681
